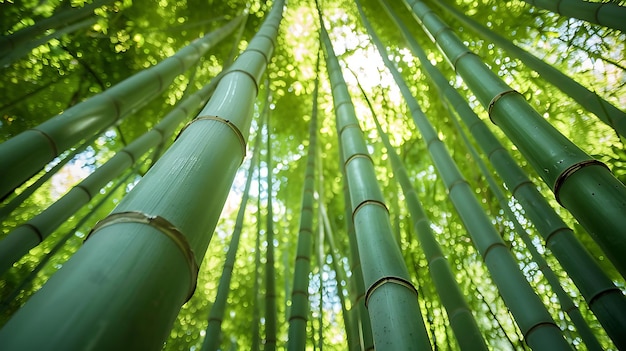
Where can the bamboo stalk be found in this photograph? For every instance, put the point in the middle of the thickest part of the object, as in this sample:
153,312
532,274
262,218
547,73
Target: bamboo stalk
608,14
299,294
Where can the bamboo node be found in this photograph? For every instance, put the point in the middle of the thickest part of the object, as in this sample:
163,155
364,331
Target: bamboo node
455,61
385,280
162,225
495,99
231,125
51,141
562,178
369,202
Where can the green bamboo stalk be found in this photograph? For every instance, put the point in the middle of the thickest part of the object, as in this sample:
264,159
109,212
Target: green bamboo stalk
608,14
391,298
588,99
321,258
4,304
600,293
25,48
299,294
567,304
256,338
540,331
270,269
583,185
30,234
14,41
459,314
216,315
27,152
129,280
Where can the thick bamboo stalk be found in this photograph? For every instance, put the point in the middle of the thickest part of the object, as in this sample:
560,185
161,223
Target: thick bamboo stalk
600,293
14,41
33,232
125,286
583,185
26,153
300,294
608,14
540,331
588,99
391,298
216,315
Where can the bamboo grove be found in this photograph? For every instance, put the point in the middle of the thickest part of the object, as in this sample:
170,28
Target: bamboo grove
303,175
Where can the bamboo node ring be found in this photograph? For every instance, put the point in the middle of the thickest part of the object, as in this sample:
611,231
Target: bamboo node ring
51,142
162,225
365,156
560,180
495,99
231,125
385,280
455,61
369,202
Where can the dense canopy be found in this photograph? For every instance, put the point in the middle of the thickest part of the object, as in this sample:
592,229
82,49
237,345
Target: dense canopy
394,116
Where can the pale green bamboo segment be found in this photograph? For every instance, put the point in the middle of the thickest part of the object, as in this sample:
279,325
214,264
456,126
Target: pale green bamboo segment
13,41
602,296
271,311
30,234
533,319
583,185
139,266
216,315
588,99
26,153
460,316
299,312
608,14
391,298
567,304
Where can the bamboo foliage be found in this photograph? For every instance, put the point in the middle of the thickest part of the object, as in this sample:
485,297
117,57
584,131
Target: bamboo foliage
391,298
580,183
139,265
33,232
591,101
608,14
600,293
64,22
299,294
26,153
